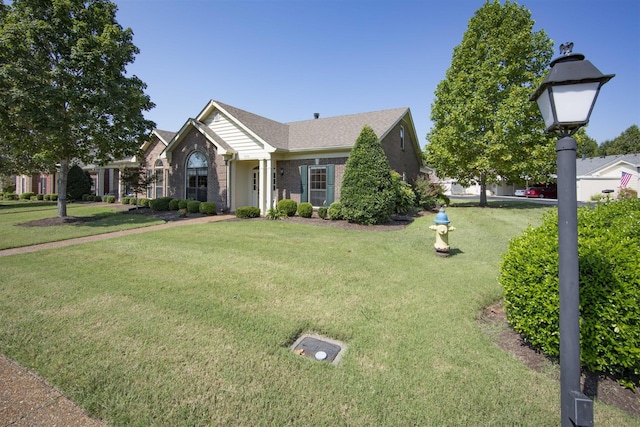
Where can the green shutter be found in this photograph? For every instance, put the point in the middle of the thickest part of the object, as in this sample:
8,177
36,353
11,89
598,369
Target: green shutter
331,183
304,177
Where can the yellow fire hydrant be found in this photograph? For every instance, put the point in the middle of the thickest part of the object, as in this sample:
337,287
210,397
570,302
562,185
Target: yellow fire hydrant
442,229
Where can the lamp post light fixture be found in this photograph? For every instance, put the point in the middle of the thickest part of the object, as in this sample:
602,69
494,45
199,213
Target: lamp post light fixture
566,98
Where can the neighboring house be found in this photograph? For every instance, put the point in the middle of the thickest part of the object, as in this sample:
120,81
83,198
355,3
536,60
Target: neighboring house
596,174
236,158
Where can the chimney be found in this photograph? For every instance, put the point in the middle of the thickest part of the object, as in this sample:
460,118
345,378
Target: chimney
316,115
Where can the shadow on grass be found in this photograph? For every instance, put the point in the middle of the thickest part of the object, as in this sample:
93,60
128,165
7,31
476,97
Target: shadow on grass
500,204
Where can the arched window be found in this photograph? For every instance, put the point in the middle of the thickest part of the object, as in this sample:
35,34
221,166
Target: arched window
197,177
159,178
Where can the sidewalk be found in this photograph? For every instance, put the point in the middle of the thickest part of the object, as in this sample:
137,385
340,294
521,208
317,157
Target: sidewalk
26,399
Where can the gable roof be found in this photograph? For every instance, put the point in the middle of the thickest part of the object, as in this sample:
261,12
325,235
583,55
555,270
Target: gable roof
592,165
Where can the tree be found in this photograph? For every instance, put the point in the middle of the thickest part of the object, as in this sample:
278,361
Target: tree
367,193
137,178
628,142
587,146
65,95
484,126
78,183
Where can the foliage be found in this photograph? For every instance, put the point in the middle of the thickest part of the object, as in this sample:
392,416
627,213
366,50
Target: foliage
322,212
405,197
367,193
288,206
208,208
160,204
137,178
275,213
335,211
173,204
248,212
182,204
124,200
65,94
609,259
78,183
305,210
628,142
484,125
110,199
193,206
627,193
586,146
428,193
143,202
26,195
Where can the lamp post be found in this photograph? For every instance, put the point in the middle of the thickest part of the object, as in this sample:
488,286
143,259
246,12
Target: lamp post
566,98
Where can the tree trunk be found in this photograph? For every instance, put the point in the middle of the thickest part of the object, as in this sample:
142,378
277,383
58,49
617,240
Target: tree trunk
483,191
62,187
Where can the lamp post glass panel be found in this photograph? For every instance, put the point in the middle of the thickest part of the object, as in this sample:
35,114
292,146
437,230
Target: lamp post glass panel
566,98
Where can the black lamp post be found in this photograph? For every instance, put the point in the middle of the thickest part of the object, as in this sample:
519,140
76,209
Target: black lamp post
566,98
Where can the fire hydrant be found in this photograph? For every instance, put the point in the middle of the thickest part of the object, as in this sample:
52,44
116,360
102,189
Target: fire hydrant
442,229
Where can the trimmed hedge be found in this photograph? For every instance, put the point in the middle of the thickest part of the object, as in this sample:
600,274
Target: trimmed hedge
305,210
322,212
208,208
143,202
27,195
288,206
609,259
193,206
335,211
173,204
160,204
182,204
248,212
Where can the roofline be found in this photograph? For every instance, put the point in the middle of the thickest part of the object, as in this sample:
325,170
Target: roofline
222,147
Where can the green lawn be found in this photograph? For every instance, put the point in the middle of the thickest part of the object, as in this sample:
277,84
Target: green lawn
192,325
107,220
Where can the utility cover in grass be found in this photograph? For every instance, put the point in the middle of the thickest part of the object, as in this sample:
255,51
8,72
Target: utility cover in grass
319,348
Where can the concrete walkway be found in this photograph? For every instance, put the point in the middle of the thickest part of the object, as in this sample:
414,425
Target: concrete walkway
26,399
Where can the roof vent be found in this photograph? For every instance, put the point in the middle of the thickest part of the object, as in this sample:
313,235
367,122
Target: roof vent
316,115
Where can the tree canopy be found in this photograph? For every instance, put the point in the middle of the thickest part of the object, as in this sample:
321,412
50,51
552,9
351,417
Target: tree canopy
65,95
484,126
628,142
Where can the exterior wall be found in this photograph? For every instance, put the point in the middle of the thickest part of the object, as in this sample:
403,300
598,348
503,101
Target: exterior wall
402,160
217,171
151,156
288,185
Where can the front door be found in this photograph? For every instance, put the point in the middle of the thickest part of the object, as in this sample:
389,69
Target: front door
255,187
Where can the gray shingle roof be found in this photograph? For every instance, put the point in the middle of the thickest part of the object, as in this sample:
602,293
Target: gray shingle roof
272,132
165,135
591,165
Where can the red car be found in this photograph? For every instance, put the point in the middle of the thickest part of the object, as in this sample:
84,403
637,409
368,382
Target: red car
542,192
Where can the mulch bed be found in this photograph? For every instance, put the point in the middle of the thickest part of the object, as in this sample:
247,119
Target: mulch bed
595,385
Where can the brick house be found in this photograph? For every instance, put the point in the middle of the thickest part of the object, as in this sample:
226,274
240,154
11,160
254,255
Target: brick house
236,158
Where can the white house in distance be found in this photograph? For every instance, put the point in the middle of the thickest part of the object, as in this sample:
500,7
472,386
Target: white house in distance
596,174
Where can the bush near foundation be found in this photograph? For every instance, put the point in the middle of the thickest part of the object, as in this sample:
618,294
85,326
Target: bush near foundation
609,259
288,206
160,204
208,208
193,206
27,195
305,210
322,212
248,212
335,211
173,204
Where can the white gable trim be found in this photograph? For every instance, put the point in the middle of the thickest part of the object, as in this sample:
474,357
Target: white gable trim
167,153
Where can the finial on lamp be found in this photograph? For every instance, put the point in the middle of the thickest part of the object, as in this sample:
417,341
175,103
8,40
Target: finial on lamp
566,48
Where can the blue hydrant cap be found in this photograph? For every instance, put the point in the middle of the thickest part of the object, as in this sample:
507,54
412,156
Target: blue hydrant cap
441,217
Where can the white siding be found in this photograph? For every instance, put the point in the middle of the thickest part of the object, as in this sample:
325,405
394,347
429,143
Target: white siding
246,145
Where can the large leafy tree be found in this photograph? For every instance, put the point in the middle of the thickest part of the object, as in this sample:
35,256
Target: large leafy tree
64,92
628,142
367,193
484,126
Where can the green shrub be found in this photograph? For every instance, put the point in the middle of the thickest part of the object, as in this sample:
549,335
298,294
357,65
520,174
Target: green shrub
609,260
627,193
39,196
143,202
366,193
160,204
429,193
124,200
53,197
322,212
34,198
78,183
26,196
47,197
182,204
275,213
208,208
405,197
193,206
247,212
288,206
305,210
111,199
173,204
335,211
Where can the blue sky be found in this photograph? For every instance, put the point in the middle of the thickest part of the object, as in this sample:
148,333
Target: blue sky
288,59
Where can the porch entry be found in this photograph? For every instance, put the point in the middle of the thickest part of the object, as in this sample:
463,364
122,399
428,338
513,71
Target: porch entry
254,181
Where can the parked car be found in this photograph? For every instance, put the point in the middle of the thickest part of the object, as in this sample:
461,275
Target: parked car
549,192
520,192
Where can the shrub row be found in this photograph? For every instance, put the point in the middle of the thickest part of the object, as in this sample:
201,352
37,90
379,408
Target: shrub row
609,260
247,212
